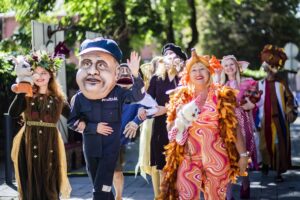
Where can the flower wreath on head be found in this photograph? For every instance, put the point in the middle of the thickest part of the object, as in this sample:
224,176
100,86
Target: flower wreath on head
43,59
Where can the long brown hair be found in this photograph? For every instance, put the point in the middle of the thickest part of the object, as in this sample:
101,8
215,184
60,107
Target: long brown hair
54,88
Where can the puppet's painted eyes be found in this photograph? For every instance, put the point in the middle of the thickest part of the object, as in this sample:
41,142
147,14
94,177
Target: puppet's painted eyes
86,64
101,65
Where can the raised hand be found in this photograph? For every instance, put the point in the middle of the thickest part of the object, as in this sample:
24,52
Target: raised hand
134,63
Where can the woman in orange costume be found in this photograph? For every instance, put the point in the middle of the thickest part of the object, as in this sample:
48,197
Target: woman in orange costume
210,152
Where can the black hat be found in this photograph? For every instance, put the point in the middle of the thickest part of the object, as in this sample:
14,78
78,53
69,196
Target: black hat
176,49
103,45
124,65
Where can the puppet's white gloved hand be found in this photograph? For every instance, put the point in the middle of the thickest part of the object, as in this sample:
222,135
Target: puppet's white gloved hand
130,130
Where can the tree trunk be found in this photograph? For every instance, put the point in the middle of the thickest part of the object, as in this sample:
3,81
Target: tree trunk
170,29
121,34
193,25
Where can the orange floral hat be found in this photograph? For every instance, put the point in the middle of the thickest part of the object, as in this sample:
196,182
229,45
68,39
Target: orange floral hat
212,64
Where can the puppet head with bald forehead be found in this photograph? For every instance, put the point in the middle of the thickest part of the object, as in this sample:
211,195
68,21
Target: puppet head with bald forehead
125,78
98,67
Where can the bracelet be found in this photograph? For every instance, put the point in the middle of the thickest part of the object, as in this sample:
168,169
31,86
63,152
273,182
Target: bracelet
246,154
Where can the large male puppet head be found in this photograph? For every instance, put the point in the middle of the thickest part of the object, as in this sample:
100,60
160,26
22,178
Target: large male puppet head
97,73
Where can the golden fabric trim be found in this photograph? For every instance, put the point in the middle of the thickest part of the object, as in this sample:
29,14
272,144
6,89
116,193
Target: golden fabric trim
14,156
144,149
43,124
65,187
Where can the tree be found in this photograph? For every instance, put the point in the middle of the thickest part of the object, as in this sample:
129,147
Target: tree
243,28
132,23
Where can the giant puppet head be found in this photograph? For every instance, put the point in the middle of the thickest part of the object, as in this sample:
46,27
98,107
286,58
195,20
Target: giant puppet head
125,77
173,56
97,72
273,58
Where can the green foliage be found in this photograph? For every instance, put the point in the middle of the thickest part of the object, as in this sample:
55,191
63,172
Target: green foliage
43,59
239,27
5,63
7,74
243,29
28,10
5,6
128,22
132,23
18,43
256,74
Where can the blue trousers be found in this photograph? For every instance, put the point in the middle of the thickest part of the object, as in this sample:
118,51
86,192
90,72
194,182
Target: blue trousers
101,171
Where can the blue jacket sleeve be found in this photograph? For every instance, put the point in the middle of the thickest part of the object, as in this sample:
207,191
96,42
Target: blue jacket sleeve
136,93
137,120
91,128
74,113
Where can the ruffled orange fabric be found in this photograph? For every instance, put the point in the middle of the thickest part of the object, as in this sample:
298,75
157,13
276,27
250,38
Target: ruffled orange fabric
174,156
174,152
228,127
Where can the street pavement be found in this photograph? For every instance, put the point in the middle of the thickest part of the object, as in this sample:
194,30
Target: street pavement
137,188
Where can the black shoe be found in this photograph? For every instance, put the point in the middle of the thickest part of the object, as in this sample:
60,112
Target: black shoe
245,193
265,169
279,179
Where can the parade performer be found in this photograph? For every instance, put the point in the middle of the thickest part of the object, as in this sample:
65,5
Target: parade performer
129,125
231,77
148,69
212,151
277,109
99,104
38,150
165,78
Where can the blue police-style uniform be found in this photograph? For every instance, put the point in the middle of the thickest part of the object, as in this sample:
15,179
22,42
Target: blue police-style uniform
100,151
